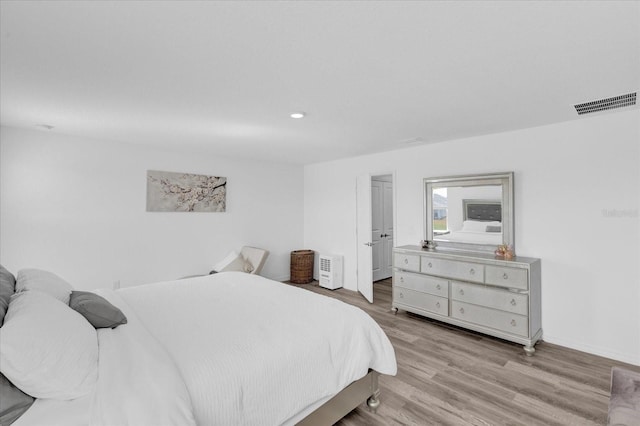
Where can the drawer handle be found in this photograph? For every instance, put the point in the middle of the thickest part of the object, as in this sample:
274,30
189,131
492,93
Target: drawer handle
505,276
472,271
513,302
429,265
437,304
438,287
462,310
513,322
401,279
462,292
406,261
401,295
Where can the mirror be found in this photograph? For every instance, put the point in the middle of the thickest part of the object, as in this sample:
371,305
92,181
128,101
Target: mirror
470,212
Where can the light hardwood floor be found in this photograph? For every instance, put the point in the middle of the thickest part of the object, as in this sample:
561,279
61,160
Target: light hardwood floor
451,376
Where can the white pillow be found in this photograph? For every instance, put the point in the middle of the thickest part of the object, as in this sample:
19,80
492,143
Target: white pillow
218,267
48,350
238,264
477,225
47,282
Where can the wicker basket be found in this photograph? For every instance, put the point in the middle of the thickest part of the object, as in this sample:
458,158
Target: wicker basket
301,266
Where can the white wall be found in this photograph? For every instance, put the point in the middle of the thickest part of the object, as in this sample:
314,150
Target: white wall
568,178
77,207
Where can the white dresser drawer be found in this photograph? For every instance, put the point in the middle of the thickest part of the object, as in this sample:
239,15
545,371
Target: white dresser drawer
453,269
499,320
424,301
491,298
506,277
410,262
471,290
423,283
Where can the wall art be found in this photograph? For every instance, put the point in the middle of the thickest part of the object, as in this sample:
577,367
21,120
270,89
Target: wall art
184,192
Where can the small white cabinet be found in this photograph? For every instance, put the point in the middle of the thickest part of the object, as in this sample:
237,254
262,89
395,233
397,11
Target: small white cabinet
472,290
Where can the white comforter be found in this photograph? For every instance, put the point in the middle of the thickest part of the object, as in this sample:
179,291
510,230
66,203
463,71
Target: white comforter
229,349
254,351
492,238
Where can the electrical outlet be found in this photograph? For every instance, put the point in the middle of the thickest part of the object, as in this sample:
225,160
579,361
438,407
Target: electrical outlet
116,284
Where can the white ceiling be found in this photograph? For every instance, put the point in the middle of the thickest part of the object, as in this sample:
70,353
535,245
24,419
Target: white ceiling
223,76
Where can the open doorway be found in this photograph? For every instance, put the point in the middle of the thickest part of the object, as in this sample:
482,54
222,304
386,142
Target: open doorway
371,192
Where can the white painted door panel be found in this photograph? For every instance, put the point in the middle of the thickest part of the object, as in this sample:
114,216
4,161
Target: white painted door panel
377,230
363,237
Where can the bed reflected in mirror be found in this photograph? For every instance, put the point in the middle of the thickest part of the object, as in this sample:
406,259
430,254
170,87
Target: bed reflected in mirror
470,212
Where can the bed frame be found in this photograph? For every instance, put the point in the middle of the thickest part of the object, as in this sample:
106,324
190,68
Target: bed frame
365,389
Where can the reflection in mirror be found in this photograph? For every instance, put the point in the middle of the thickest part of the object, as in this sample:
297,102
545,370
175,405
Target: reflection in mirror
470,212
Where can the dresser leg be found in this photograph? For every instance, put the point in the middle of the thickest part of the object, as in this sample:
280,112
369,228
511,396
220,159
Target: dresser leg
529,350
394,310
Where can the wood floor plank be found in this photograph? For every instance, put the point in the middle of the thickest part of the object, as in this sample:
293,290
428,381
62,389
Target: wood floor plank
451,376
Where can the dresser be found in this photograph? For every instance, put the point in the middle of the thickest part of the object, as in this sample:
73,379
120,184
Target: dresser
476,291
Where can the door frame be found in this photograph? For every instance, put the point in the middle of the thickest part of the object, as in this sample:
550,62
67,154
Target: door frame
362,286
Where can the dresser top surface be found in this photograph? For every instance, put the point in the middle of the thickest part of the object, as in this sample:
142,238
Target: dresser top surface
465,255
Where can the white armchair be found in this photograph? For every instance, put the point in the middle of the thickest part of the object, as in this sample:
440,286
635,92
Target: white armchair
255,256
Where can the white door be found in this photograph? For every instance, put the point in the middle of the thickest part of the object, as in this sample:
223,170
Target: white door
387,230
377,230
381,228
363,237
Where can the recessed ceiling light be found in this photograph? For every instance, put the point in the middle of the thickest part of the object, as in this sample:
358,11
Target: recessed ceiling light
297,114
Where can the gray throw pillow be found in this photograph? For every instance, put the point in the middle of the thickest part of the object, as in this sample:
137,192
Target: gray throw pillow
96,309
13,402
7,288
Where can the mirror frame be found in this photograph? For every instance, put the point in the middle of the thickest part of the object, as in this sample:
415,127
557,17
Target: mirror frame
508,225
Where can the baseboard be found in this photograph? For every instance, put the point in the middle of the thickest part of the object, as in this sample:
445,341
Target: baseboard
594,350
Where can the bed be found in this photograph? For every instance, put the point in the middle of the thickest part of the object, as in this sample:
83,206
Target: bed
482,223
229,348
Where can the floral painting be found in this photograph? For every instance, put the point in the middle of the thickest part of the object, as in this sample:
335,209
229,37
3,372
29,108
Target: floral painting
184,192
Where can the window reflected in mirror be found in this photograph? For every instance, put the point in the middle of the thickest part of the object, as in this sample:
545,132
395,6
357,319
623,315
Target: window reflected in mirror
440,212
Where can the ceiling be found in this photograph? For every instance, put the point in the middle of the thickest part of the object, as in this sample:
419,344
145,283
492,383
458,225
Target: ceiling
223,77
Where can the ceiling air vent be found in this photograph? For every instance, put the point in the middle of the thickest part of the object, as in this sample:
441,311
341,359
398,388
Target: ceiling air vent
604,104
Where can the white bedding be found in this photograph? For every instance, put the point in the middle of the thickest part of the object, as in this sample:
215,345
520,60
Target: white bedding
138,384
474,231
492,238
237,348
